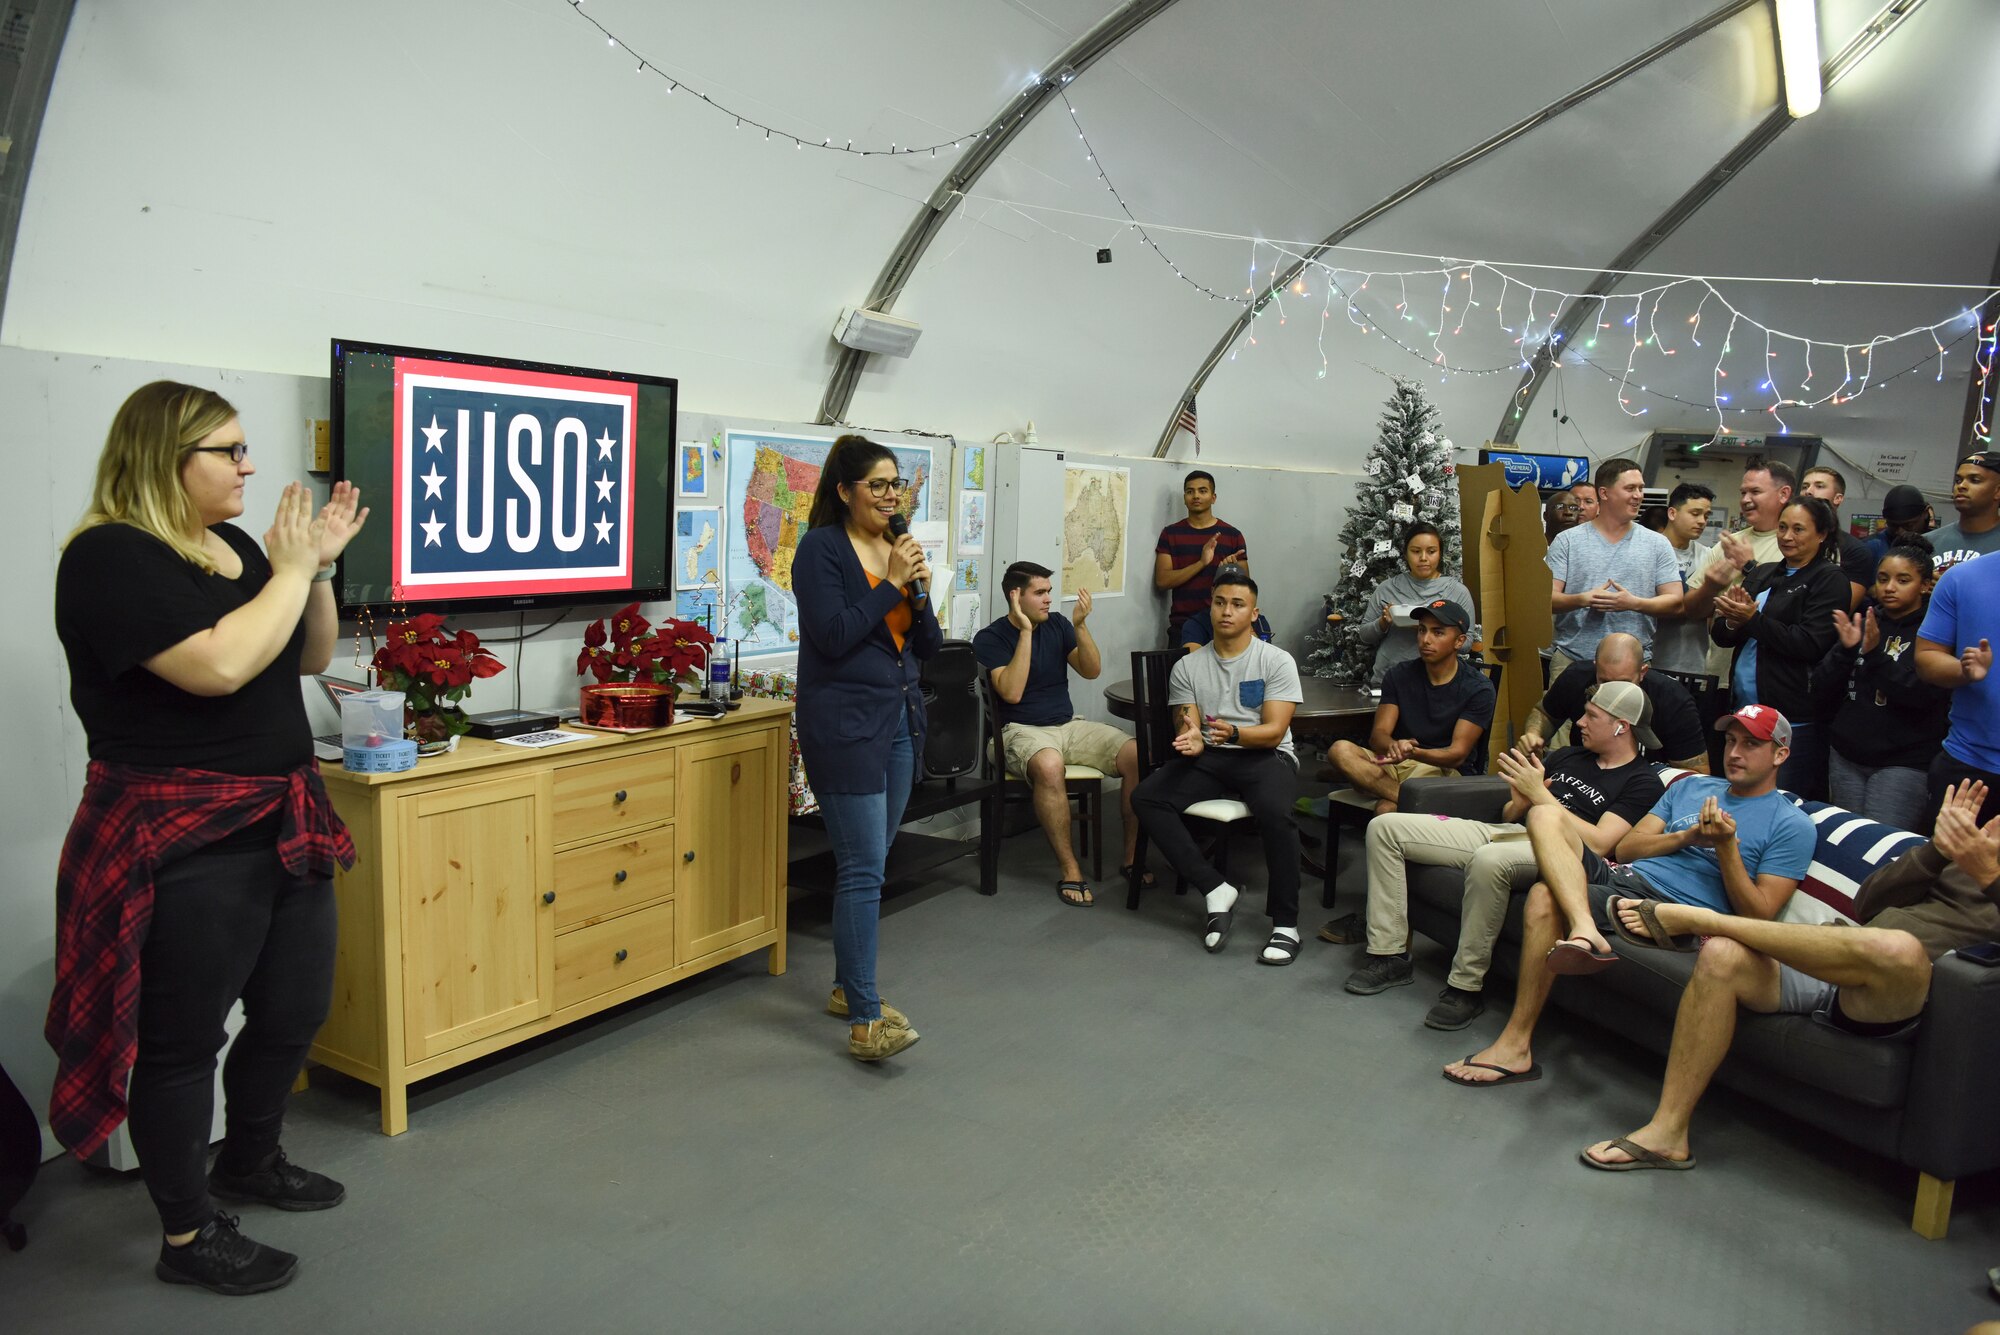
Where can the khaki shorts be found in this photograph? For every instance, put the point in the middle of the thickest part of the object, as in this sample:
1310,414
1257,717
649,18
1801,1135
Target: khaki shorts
1405,770
1079,741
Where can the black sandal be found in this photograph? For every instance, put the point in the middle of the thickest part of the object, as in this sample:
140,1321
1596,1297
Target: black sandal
1279,941
1217,923
1146,881
1063,889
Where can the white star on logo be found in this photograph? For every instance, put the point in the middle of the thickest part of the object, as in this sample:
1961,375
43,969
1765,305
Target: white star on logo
434,435
432,481
603,527
604,486
431,530
606,443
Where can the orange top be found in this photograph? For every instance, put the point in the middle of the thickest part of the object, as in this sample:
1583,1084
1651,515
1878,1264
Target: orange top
898,619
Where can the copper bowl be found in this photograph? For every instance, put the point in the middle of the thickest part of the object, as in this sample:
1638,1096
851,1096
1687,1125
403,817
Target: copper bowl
630,706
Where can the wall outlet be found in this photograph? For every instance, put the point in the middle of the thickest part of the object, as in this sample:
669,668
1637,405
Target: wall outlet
319,445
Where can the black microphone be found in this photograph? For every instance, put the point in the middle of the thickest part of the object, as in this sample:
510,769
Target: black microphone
899,527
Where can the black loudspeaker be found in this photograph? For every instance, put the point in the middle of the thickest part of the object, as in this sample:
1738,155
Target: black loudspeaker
956,717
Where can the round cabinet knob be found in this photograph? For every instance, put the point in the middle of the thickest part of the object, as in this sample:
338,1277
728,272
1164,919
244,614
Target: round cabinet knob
688,856
548,896
618,796
619,876
621,957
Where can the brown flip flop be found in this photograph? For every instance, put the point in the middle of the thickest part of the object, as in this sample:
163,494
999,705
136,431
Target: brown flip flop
1507,1077
1641,1158
1658,938
1573,958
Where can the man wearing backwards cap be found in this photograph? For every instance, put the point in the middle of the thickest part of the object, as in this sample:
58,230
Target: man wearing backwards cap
1602,787
1975,493
1904,512
1435,708
1733,844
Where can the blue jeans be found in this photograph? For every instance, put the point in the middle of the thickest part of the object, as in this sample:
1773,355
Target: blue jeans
861,826
1892,794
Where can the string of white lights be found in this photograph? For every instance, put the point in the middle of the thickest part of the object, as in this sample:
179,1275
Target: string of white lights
778,134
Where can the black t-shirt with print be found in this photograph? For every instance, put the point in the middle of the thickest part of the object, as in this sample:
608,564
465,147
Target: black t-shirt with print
1587,789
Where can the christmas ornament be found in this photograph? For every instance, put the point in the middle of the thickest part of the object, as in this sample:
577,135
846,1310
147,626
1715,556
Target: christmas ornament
1358,569
1383,547
1414,482
1403,510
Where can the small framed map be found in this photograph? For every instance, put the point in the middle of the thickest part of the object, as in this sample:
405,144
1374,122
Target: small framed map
698,548
1096,502
693,467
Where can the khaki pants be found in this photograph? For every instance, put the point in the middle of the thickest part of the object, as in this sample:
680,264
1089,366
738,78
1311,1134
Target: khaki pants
1497,860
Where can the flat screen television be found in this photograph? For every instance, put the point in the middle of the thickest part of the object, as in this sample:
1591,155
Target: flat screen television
497,484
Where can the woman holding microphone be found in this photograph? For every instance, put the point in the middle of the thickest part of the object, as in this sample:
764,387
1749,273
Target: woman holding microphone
864,624
198,869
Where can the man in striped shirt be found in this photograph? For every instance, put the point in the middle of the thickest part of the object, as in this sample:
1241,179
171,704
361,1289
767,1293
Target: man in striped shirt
1191,550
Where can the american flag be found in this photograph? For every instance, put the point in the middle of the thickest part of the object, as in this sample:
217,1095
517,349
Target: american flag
1186,422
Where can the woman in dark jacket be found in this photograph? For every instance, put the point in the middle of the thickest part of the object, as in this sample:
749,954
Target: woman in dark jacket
864,622
1886,723
1780,622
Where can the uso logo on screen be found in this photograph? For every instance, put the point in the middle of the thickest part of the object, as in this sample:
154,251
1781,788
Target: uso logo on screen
510,482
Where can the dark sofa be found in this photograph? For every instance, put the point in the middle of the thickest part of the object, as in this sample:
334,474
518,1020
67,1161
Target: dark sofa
1930,1100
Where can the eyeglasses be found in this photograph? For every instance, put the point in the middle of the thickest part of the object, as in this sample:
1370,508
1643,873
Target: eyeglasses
236,452
882,486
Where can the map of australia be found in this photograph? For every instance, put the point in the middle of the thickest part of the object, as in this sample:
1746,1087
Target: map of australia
771,484
1094,510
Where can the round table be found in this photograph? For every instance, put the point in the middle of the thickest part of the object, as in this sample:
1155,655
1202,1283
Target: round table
1325,703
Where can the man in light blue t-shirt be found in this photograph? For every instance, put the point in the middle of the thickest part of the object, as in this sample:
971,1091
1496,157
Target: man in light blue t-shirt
1955,650
1735,844
1611,574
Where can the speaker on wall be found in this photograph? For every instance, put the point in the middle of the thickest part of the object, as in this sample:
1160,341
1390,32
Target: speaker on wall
957,719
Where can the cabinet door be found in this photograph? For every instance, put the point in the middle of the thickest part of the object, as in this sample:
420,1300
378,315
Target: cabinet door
731,799
478,940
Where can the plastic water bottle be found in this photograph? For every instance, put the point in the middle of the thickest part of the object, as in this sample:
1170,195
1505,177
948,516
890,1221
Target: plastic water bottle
719,674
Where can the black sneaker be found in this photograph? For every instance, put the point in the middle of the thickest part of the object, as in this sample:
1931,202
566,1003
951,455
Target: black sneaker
280,1182
1455,1009
1380,973
1346,930
222,1260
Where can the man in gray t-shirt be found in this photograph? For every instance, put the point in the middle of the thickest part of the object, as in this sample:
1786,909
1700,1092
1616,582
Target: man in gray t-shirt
1611,574
1975,493
1232,702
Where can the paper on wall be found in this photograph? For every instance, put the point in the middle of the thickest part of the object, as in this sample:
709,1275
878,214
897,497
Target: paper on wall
964,614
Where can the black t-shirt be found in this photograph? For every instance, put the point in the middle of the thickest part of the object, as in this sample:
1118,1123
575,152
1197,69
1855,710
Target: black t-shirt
1429,714
1588,790
1676,720
122,596
1045,701
1857,559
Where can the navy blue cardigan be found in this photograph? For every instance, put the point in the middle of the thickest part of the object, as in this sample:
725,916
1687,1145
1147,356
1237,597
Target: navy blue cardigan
855,689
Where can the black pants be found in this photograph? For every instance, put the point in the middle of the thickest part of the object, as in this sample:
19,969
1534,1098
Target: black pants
1265,781
226,924
1946,770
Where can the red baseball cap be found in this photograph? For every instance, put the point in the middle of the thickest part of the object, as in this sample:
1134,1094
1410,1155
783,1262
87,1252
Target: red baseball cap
1760,721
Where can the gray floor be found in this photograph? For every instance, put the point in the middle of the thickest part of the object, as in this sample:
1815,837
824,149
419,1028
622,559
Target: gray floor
1103,1129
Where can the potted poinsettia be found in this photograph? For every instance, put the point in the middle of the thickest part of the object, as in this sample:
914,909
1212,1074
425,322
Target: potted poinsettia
434,667
636,665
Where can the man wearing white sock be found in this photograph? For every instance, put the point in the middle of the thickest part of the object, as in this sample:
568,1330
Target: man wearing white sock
1233,700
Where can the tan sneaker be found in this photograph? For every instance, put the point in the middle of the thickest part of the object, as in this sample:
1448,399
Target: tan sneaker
836,1004
881,1040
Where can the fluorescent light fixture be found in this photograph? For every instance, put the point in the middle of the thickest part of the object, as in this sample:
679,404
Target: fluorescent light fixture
872,331
1798,54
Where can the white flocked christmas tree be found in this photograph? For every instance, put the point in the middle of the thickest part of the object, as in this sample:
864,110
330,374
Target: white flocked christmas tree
1410,479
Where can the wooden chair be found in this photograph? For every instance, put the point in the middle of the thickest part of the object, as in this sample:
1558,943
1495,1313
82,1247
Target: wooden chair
1082,785
1350,808
1155,724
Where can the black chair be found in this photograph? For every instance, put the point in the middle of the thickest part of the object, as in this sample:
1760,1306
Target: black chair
1350,808
1082,785
1155,725
1711,702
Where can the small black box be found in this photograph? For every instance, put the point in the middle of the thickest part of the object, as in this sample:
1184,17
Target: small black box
498,723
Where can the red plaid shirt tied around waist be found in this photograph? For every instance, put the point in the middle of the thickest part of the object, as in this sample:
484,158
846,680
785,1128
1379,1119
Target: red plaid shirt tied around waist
131,822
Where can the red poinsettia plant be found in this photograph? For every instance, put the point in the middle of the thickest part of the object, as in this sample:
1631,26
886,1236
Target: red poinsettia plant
434,668
626,647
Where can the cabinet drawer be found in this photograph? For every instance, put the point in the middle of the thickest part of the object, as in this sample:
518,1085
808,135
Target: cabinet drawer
604,797
587,959
601,879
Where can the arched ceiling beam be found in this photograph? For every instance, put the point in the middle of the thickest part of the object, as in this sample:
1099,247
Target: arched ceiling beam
22,102
1887,20
1079,56
1425,182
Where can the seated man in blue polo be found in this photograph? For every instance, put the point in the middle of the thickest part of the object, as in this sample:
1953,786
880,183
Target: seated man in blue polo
1232,703
1735,844
1029,654
1435,709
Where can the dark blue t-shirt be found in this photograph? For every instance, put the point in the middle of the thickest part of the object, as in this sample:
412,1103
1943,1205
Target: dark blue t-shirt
1045,702
1430,714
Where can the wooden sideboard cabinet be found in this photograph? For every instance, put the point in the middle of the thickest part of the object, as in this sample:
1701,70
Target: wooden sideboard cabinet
501,892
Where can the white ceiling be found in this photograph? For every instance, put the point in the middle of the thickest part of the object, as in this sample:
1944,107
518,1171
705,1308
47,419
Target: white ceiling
230,184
